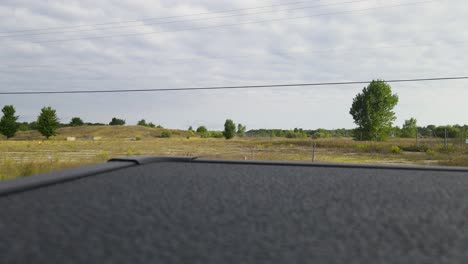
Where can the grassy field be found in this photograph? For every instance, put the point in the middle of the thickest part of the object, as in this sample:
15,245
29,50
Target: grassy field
28,153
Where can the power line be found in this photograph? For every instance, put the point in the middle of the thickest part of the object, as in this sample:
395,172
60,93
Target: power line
231,25
181,21
232,87
159,18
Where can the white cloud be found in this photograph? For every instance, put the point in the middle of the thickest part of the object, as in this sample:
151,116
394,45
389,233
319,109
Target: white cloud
400,42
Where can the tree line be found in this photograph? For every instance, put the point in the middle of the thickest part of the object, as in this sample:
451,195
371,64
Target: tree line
229,132
47,124
371,109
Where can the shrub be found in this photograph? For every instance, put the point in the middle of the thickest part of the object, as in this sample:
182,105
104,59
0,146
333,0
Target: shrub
205,134
362,147
116,122
142,123
395,149
202,129
431,153
295,134
216,134
76,121
290,134
166,134
415,148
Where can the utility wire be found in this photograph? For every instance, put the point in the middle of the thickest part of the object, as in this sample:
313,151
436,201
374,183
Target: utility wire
232,87
231,25
158,18
186,20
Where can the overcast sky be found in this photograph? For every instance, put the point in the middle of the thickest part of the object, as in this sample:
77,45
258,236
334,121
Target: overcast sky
309,41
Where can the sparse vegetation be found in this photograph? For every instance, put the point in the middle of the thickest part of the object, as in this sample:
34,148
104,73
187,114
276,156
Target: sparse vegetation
27,154
143,123
166,134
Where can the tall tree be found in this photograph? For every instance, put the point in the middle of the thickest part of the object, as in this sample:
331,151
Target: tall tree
76,121
229,129
409,128
48,122
241,130
372,111
8,124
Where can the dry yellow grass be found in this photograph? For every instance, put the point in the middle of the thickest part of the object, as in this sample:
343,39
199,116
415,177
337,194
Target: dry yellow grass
21,157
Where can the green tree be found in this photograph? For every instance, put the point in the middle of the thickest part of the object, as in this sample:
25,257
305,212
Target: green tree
76,121
190,128
229,129
48,122
241,130
202,130
117,122
150,124
8,125
409,128
142,123
372,111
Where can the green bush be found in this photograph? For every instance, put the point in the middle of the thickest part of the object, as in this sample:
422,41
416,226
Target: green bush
166,134
202,130
116,122
205,134
395,149
216,134
292,134
415,148
362,147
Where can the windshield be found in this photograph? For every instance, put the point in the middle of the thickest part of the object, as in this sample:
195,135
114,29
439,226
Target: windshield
375,82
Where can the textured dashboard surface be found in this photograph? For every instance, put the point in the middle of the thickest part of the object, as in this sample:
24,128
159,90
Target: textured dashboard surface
190,212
